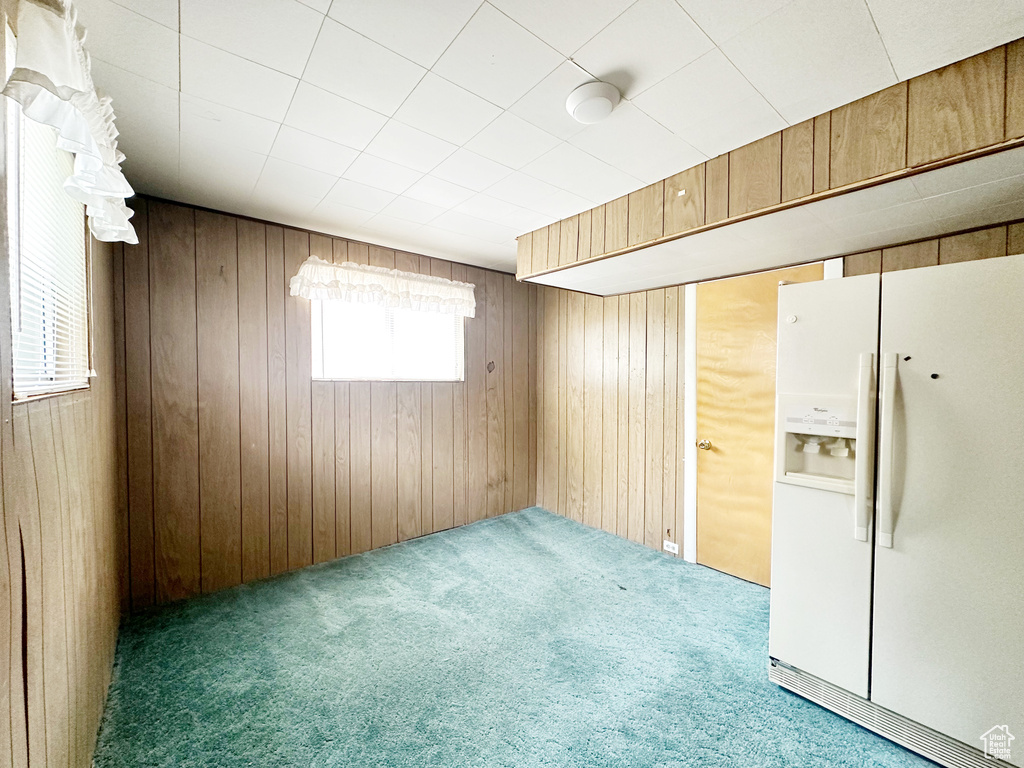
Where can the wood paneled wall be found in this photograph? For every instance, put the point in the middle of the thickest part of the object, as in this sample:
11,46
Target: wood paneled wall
986,243
933,118
61,550
610,411
239,466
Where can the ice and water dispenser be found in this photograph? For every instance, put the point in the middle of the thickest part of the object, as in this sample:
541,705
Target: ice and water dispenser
817,442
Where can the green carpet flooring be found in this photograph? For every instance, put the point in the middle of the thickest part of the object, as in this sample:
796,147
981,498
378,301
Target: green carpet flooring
524,640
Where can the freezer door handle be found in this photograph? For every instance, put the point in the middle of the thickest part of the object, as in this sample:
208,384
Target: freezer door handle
865,439
885,449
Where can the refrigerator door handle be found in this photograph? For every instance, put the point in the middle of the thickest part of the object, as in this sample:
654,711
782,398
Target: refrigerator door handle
865,438
885,449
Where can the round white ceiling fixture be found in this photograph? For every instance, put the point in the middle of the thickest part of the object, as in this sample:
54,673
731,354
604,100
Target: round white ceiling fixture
592,102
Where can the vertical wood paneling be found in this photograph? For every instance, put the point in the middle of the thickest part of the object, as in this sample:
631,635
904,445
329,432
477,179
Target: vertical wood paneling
383,442
637,413
443,441
616,224
957,108
277,400
299,408
609,413
586,235
495,391
554,243
798,160
755,175
822,151
869,136
574,370
971,246
867,263
646,213
622,396
923,254
524,255
220,473
537,408
654,452
1015,89
521,455
716,189
477,362
121,426
670,403
460,467
684,200
139,414
539,250
593,409
172,293
568,240
323,443
563,387
597,231
316,469
552,396
410,459
254,408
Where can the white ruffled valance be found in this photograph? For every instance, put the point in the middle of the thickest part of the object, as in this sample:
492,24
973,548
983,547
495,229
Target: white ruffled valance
52,80
361,284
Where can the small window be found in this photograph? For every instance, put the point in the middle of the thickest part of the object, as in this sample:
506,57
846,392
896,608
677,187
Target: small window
49,263
370,342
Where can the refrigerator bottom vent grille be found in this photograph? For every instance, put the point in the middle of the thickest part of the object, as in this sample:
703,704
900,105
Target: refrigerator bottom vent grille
932,744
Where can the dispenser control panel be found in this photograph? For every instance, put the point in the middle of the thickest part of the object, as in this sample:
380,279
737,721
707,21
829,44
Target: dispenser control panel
816,443
821,418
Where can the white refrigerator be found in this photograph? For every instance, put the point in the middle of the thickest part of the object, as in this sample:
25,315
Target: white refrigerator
898,525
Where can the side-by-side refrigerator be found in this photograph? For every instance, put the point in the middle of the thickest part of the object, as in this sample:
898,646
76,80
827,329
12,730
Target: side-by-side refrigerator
898,525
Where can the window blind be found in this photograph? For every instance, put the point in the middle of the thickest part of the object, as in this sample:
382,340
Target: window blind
49,285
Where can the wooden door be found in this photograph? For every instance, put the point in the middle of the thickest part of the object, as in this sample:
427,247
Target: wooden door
736,329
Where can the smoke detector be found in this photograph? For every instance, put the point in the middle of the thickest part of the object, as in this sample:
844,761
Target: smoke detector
592,102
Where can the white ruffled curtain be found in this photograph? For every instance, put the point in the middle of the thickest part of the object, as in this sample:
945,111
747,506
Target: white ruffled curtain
52,81
361,284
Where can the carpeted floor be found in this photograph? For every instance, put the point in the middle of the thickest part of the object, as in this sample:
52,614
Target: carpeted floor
525,640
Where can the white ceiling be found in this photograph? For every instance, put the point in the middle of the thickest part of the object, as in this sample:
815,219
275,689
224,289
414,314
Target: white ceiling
439,127
975,193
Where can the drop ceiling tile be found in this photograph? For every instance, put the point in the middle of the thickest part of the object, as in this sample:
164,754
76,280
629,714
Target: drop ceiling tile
445,110
220,167
544,105
409,146
866,201
978,171
636,144
645,44
348,64
723,19
331,117
318,5
338,215
567,24
224,78
383,174
572,169
711,105
498,211
390,231
146,113
415,211
130,41
276,33
288,179
783,57
469,169
474,227
922,35
495,58
311,151
522,190
564,203
983,197
425,29
163,11
216,123
512,141
361,196
439,192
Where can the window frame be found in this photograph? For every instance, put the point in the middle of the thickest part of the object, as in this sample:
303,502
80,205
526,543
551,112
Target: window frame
13,212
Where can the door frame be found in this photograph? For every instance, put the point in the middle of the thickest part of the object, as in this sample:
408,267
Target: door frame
833,268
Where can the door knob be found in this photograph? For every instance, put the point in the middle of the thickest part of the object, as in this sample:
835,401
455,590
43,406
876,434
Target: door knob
704,445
